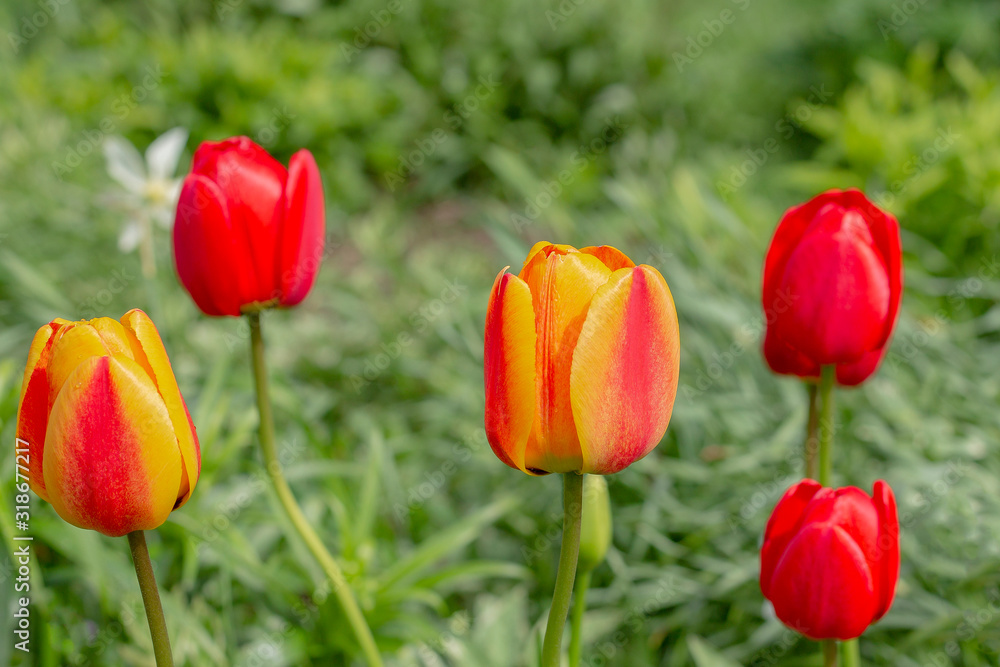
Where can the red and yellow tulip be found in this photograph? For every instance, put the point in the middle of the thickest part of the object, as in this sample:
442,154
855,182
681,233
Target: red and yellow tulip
111,443
581,361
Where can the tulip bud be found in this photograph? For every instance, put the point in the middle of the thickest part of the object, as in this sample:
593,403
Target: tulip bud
110,442
595,526
833,279
248,233
830,559
581,361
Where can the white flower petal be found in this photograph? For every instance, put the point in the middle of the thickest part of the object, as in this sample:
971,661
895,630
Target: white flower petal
125,164
163,217
130,237
163,154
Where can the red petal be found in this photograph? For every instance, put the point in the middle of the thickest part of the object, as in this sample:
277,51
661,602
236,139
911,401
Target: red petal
886,563
822,586
211,255
302,230
509,368
252,184
782,527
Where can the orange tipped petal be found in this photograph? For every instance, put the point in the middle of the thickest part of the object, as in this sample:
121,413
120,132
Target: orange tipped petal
509,368
151,355
73,345
625,369
33,416
111,461
612,257
562,286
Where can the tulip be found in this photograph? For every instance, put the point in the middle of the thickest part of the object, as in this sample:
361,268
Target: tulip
248,233
833,279
110,442
830,558
581,361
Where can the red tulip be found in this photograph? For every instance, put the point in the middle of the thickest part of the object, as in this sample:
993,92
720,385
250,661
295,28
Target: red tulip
248,233
830,558
833,279
581,361
110,441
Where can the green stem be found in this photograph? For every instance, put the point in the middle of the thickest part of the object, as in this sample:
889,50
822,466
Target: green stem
576,620
828,377
150,599
267,442
812,426
851,653
829,652
568,555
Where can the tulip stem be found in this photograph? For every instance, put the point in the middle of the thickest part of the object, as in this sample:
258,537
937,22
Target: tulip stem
576,620
827,377
150,599
829,652
852,653
569,553
812,427
267,442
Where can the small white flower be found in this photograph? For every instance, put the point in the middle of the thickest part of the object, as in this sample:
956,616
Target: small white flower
150,189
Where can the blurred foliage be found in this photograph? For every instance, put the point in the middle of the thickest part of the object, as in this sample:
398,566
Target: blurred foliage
451,136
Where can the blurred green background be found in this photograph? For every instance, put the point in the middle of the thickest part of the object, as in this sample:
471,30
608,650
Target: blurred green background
441,129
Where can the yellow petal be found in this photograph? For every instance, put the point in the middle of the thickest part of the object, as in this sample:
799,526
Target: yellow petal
111,460
152,356
509,368
562,283
625,370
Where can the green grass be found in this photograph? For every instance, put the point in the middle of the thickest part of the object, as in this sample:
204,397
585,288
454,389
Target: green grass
451,553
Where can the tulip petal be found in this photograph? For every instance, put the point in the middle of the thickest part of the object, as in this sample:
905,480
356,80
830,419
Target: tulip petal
211,254
841,290
782,527
152,356
853,373
253,185
302,230
625,368
887,555
33,415
509,368
884,229
111,461
785,359
563,282
852,510
822,586
611,257
74,345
